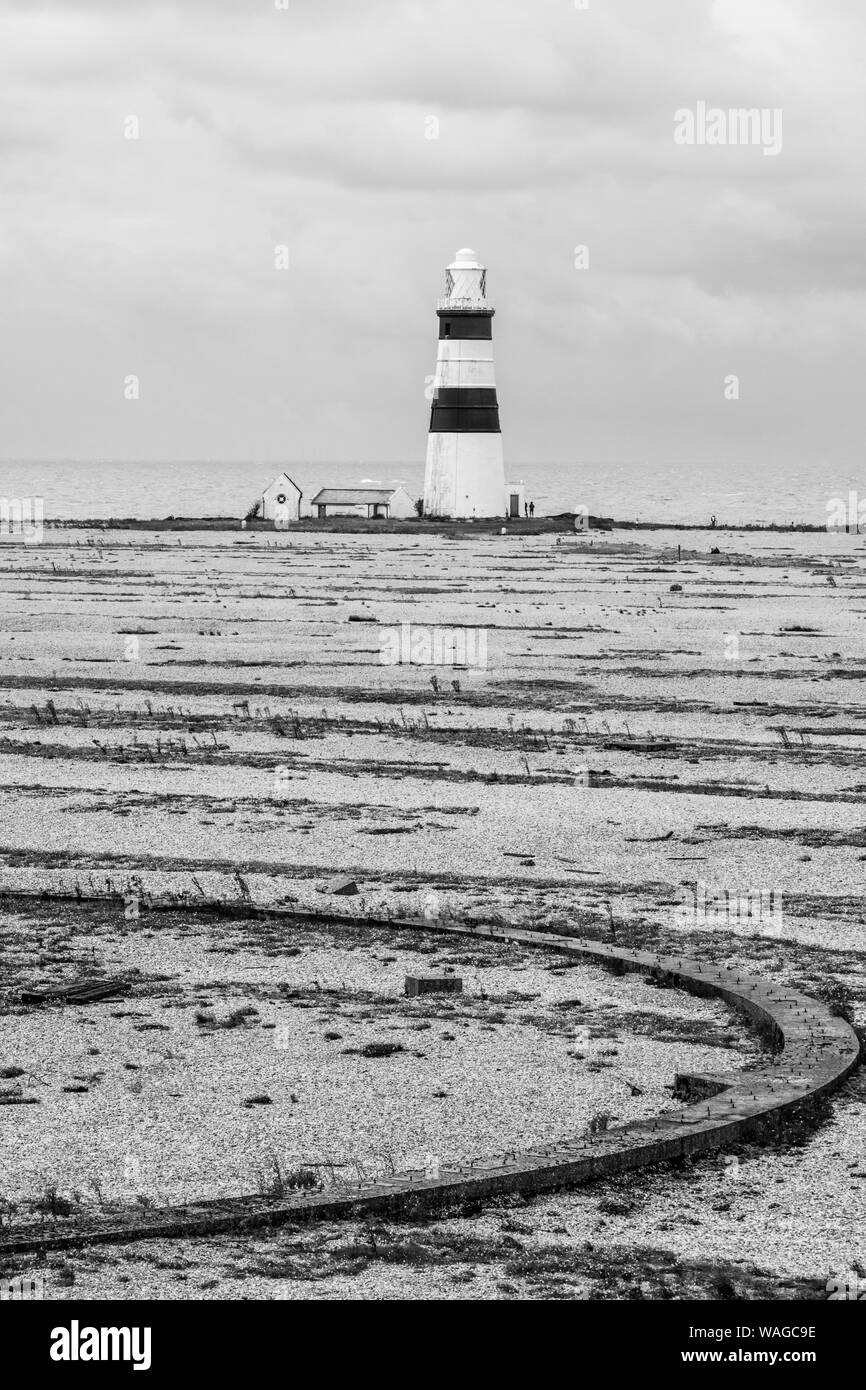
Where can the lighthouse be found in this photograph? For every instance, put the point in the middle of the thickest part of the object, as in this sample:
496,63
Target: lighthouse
465,474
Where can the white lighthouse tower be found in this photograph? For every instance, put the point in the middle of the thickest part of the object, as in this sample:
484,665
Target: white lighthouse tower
465,474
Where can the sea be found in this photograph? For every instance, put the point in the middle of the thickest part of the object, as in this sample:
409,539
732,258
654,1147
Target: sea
630,491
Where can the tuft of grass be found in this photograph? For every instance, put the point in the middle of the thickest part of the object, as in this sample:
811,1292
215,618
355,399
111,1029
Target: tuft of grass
599,1121
273,1181
375,1049
50,1203
238,1018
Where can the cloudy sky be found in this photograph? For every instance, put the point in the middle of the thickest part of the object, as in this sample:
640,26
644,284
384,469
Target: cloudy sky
310,127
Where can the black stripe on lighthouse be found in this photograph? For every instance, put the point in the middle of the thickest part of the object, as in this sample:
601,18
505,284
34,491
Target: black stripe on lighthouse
465,324
465,410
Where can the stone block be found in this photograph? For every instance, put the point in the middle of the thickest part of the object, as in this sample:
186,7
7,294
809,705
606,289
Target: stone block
433,983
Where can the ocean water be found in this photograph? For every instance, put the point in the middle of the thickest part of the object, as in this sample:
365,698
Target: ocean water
77,490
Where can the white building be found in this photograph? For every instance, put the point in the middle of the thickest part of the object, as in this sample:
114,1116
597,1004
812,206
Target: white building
465,474
281,502
371,502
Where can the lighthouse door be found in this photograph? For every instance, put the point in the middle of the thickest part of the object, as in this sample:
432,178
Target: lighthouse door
514,504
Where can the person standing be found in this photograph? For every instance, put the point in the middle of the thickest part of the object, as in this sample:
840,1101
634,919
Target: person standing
532,509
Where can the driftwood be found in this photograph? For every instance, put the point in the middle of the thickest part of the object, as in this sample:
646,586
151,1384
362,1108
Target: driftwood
79,992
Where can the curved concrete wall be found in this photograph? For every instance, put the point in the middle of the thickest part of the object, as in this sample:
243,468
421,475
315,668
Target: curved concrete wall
817,1052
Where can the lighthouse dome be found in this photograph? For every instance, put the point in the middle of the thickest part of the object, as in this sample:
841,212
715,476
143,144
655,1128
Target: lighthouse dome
465,282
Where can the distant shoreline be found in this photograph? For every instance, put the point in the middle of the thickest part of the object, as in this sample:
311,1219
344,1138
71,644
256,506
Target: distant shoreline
561,524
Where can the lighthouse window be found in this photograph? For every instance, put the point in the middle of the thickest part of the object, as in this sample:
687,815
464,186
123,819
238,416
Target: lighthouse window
447,330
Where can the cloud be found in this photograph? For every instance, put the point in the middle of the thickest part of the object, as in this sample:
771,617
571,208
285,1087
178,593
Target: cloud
311,127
